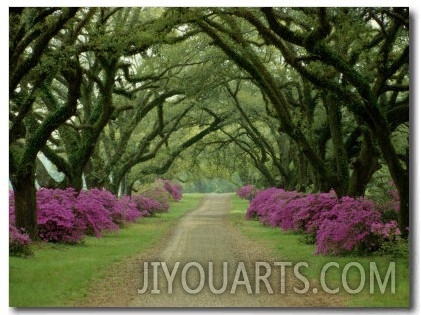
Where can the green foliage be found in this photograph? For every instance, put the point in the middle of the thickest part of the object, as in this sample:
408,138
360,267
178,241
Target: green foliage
397,249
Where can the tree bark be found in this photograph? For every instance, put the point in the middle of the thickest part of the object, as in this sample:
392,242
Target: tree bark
365,165
25,192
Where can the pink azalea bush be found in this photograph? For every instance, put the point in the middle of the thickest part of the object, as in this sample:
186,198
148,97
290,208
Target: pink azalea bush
125,211
117,210
158,193
268,204
346,227
338,227
57,220
387,231
146,206
310,211
247,192
175,190
65,216
94,208
19,242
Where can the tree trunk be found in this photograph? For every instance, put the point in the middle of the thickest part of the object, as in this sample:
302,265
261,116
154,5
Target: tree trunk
364,167
341,160
26,200
399,175
75,180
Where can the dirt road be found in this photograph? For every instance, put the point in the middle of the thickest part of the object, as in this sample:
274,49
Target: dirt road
205,263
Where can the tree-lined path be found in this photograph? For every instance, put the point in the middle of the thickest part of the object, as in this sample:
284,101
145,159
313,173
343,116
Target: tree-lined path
111,105
202,236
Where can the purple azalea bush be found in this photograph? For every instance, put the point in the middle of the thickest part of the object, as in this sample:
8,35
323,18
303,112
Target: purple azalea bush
146,206
158,193
65,216
346,227
94,208
57,220
125,211
310,211
268,204
247,192
337,227
387,231
119,210
175,190
19,241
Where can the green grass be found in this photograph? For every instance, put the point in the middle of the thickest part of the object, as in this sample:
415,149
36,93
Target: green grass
59,275
288,246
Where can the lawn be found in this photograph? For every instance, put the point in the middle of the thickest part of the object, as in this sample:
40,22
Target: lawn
59,275
288,246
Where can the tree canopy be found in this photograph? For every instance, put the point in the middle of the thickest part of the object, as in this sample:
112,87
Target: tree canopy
311,99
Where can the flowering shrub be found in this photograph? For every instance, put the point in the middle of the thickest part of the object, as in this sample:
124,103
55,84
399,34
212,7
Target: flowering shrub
337,227
57,221
389,207
11,207
394,195
158,193
19,242
247,192
268,205
147,207
125,211
175,190
94,207
387,231
120,211
347,227
65,216
310,210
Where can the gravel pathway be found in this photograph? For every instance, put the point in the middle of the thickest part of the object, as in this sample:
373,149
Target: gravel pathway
216,267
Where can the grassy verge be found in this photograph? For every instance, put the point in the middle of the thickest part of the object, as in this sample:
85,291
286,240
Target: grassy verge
288,246
59,275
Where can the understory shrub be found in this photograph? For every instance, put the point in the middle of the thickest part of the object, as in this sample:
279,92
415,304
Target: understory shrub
247,192
175,190
268,204
65,216
19,242
94,207
338,227
146,206
57,220
119,210
158,193
311,210
125,211
346,228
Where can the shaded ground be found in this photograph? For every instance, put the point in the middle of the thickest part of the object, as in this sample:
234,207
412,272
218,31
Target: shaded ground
202,236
